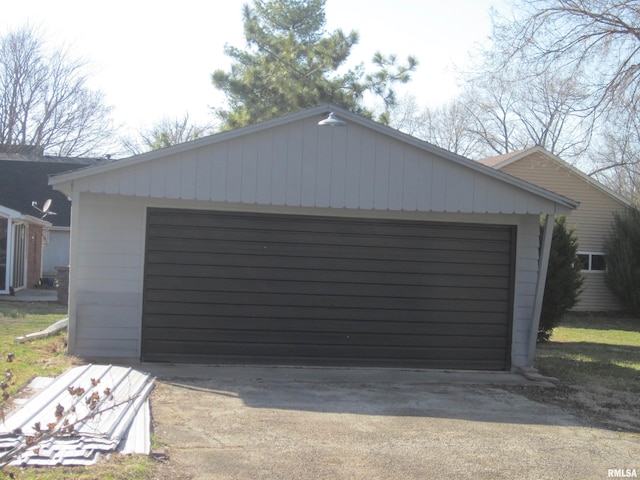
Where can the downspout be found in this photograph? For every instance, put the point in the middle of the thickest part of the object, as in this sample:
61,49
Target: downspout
543,266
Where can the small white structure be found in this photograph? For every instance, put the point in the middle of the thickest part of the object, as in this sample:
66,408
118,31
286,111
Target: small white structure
21,239
56,250
290,242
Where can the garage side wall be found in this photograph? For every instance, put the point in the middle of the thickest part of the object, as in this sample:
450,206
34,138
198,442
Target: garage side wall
526,275
106,277
107,270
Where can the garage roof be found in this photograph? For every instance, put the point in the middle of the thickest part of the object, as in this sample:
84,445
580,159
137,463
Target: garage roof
291,161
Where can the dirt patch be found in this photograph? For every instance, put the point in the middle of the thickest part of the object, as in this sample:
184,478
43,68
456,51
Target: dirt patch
166,470
603,407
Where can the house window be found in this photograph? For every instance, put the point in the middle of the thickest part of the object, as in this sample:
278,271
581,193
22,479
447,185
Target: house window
592,261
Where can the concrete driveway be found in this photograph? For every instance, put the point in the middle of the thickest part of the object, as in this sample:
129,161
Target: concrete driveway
310,423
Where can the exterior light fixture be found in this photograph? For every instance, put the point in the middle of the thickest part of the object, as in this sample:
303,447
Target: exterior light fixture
331,121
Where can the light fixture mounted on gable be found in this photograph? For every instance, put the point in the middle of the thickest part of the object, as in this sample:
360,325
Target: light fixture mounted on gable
332,121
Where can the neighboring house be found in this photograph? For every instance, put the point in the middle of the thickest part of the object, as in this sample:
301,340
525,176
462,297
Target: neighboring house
287,242
21,238
591,221
24,179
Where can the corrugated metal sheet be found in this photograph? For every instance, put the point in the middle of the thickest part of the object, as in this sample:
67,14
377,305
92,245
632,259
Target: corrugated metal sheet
86,412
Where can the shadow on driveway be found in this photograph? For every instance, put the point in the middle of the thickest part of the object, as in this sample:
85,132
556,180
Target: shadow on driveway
464,402
248,422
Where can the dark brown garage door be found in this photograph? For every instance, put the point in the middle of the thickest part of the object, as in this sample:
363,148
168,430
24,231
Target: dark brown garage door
253,288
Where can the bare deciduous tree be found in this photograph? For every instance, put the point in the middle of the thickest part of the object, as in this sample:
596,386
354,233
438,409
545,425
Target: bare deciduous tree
448,126
492,104
165,133
45,101
408,117
562,74
615,158
597,40
594,45
499,115
452,129
511,114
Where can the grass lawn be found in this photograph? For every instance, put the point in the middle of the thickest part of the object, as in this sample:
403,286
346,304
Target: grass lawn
594,350
46,357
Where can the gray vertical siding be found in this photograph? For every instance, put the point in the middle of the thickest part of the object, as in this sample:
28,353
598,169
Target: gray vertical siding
302,165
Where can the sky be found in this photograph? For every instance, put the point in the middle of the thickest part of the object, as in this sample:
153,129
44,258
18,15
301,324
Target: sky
154,59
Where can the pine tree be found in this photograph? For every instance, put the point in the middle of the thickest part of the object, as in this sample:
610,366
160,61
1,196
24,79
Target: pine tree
291,63
622,248
564,279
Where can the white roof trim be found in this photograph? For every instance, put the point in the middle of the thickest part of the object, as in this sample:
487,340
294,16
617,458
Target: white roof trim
36,220
567,166
6,212
321,110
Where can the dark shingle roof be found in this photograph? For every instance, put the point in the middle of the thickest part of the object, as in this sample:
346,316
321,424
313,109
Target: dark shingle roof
25,181
32,157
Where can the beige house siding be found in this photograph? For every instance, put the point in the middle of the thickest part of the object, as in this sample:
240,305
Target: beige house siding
591,220
596,296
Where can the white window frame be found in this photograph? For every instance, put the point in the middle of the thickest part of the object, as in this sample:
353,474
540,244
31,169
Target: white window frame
591,254
8,267
20,234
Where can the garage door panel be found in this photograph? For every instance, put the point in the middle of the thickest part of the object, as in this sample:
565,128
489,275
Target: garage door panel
328,302
325,325
325,289
294,289
200,236
199,272
177,310
260,224
285,351
377,266
429,363
312,338
289,253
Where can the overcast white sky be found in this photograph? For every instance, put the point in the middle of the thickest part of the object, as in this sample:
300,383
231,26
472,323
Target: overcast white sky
154,59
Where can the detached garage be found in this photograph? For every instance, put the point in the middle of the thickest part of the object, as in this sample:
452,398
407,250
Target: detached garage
288,242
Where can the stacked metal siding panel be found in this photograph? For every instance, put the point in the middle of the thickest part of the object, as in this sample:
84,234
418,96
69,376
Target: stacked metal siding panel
117,419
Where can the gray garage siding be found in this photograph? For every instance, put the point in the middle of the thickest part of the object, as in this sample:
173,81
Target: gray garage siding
267,288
